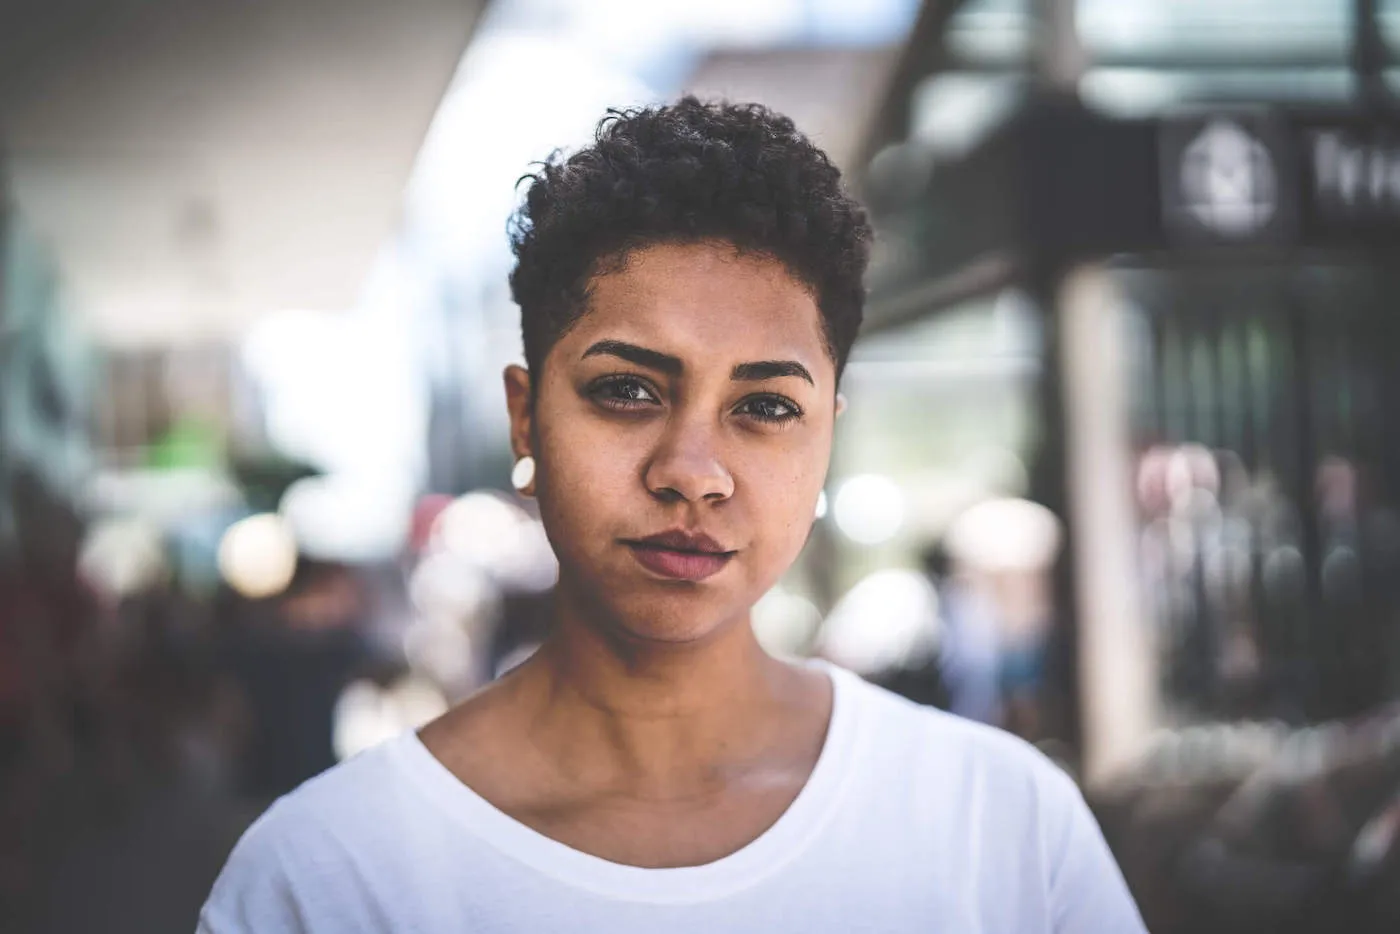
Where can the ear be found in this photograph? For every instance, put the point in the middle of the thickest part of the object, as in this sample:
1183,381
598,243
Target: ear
517,381
840,403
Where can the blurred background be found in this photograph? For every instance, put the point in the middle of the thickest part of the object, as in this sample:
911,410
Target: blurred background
1117,473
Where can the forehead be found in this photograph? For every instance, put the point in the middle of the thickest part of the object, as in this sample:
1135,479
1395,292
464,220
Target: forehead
707,304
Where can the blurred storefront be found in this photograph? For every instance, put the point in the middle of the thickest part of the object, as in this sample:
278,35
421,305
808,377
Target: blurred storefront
1191,213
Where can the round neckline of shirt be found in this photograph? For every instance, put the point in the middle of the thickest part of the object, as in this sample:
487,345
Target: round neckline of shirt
785,840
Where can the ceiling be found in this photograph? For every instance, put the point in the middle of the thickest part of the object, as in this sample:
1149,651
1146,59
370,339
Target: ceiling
193,164
828,92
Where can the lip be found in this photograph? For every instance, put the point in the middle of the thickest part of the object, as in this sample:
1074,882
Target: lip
681,540
680,555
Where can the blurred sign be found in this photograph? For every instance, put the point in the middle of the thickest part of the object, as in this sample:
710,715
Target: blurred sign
1060,183
1355,174
1311,178
1226,179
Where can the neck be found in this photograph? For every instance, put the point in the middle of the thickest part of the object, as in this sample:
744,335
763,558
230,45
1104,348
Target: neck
659,719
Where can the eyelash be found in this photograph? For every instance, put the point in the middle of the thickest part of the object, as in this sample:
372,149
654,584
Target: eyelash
601,392
793,412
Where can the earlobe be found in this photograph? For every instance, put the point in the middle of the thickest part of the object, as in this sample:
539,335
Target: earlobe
840,403
522,476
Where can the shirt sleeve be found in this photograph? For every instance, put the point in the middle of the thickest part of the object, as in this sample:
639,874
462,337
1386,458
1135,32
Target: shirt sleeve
1087,892
254,892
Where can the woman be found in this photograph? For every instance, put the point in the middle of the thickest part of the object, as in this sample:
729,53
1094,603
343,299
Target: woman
690,286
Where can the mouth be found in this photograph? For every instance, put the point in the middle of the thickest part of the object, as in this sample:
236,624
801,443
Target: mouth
680,555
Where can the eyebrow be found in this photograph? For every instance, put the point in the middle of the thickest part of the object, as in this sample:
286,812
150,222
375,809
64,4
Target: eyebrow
672,366
642,356
771,369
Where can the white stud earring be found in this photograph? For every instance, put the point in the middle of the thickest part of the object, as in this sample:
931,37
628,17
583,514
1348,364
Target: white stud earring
523,473
821,505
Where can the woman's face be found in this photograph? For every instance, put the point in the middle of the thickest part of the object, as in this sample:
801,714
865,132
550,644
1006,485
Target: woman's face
682,432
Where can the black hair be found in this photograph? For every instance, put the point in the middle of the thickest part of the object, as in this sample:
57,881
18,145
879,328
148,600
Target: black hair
682,173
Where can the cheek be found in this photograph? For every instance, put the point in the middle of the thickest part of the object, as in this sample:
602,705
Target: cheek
584,473
783,495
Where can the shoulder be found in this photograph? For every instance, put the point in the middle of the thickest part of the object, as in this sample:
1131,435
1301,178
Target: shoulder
294,857
362,787
994,795
890,718
937,754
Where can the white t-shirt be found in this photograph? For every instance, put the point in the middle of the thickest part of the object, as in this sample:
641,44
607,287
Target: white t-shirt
912,820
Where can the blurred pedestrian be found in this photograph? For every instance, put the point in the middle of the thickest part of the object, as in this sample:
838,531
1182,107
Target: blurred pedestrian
969,641
292,657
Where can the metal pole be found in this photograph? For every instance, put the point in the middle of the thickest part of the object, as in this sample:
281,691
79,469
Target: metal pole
1368,52
1059,59
1116,651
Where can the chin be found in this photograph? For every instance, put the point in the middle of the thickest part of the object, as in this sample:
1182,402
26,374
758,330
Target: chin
627,605
670,620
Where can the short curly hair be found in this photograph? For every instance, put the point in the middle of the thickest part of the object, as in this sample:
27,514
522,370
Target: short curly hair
682,173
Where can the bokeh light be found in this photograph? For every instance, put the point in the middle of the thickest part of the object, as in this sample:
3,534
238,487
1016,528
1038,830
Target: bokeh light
869,508
258,556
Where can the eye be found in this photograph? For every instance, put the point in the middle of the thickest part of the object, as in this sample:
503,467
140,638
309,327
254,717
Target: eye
622,392
768,408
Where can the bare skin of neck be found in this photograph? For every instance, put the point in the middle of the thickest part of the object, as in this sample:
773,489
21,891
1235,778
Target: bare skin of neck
647,755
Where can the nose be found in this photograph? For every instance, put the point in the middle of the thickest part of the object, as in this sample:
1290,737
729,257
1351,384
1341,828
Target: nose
687,465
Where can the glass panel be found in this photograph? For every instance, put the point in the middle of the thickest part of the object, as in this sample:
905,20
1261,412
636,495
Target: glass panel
1131,92
991,32
930,535
951,112
1389,13
1267,487
965,377
1302,30
1228,32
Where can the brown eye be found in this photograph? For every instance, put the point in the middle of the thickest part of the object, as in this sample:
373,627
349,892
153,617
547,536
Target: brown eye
622,392
771,409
